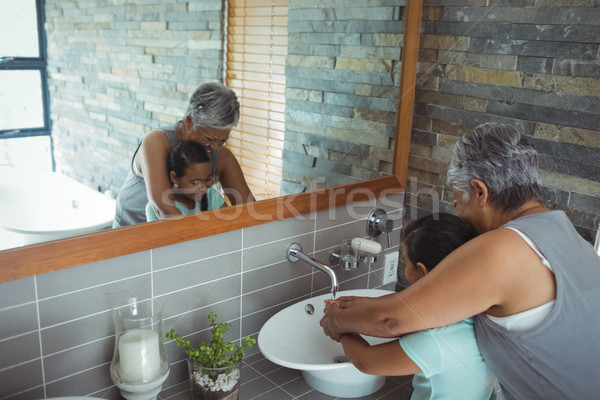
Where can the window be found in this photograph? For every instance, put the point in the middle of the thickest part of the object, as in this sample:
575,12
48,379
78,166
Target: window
255,70
23,87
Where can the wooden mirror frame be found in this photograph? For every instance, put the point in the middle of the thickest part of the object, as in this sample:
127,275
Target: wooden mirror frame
65,253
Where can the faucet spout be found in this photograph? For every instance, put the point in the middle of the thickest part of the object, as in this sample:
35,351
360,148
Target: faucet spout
294,253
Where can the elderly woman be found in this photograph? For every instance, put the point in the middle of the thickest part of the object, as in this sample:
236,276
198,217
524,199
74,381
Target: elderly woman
213,110
532,283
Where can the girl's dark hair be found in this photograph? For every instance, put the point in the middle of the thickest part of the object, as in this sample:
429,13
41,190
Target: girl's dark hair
431,238
185,154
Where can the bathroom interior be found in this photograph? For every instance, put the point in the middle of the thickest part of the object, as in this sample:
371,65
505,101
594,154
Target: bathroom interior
368,99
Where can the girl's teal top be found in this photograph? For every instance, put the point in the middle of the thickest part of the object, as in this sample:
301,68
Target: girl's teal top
215,200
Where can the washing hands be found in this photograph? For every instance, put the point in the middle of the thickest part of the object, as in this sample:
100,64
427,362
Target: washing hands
345,302
332,308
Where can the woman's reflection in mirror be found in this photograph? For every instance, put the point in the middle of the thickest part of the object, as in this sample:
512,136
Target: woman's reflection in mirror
212,111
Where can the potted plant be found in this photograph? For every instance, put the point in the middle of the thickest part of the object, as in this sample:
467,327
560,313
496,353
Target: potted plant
214,367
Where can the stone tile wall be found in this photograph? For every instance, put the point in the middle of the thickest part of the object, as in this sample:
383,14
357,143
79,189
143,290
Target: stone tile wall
119,69
341,91
532,64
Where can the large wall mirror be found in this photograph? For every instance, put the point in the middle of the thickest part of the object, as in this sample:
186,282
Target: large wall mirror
371,126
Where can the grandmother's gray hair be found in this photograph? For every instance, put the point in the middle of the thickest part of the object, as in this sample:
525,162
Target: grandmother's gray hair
214,105
503,159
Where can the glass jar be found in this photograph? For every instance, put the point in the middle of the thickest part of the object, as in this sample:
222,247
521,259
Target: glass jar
214,383
139,365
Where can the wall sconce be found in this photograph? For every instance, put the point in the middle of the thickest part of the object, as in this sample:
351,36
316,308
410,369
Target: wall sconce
139,365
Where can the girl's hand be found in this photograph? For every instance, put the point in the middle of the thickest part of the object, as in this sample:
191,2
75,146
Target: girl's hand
329,305
351,301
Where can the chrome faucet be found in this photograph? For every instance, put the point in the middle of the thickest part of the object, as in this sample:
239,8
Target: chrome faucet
294,253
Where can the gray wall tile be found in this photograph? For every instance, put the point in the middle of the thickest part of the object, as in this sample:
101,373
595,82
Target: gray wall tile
86,382
182,253
75,333
31,394
341,215
17,292
88,275
70,306
274,295
79,359
197,320
21,378
390,203
274,252
332,237
17,320
196,273
19,349
192,298
277,230
273,275
179,373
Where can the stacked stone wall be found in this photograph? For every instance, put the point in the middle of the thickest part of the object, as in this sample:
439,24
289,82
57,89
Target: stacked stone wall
531,64
118,69
342,85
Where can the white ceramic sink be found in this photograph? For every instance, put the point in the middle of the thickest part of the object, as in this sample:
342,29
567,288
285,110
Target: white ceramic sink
294,339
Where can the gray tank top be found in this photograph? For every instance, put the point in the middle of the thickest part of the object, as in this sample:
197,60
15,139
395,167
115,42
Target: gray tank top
560,357
131,201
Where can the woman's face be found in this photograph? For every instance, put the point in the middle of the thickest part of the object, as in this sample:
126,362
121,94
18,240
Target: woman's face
465,209
210,138
196,181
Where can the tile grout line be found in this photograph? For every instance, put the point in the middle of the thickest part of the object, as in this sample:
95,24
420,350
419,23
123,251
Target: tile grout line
242,272
265,377
39,329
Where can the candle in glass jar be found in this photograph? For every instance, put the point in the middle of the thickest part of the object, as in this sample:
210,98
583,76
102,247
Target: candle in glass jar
139,356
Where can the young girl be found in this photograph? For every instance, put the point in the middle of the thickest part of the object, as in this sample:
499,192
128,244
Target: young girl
192,178
445,361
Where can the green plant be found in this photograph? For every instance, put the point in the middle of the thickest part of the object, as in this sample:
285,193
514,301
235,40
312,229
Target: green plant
216,354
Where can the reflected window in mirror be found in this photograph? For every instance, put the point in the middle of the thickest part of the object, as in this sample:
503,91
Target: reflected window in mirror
23,86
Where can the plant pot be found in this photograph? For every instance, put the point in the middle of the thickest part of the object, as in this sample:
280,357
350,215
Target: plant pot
214,383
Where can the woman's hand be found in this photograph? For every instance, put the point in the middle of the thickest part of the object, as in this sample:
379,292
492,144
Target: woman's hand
232,178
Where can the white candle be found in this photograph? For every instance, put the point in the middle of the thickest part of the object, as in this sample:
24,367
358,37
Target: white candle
139,355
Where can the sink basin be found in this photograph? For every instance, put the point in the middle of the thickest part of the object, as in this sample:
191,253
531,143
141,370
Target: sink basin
294,339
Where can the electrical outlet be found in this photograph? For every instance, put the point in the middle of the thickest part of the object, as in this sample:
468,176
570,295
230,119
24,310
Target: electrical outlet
390,267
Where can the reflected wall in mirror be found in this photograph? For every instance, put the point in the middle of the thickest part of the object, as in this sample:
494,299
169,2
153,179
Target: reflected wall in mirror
118,71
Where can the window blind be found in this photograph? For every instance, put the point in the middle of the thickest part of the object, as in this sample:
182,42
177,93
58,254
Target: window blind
255,70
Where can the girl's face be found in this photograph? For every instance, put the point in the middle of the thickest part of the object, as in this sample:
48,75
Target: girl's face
412,272
196,180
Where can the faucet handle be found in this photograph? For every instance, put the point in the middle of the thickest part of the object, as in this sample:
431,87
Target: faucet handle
377,223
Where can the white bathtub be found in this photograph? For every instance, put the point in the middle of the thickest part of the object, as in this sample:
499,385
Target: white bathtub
47,206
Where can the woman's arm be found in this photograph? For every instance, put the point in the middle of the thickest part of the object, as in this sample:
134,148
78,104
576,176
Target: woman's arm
152,162
486,273
382,359
232,178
